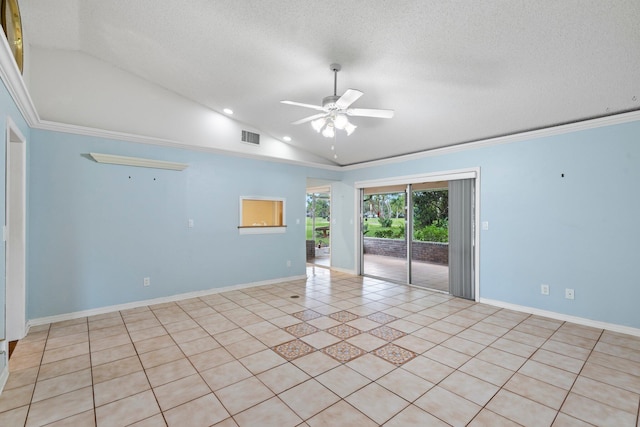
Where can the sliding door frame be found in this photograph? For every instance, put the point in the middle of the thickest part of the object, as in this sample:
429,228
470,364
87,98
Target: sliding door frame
450,175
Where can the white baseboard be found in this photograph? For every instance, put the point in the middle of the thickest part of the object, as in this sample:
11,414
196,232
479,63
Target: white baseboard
172,298
4,376
564,317
344,270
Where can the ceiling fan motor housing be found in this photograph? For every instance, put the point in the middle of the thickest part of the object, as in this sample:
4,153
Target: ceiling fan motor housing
329,102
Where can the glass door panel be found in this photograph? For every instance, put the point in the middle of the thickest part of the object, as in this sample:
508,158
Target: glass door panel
384,242
430,235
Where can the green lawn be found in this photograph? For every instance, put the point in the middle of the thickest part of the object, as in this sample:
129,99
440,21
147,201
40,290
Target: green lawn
372,224
320,222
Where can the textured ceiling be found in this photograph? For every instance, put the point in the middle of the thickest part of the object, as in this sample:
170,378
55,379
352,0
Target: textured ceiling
453,71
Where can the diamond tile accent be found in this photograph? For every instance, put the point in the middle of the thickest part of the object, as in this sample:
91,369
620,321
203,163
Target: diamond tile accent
394,354
307,315
381,317
343,351
301,329
344,331
343,316
293,349
386,333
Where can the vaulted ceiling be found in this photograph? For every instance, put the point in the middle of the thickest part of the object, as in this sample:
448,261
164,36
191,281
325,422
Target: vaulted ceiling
453,71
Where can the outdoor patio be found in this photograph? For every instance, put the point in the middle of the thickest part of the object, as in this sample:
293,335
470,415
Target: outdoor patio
428,275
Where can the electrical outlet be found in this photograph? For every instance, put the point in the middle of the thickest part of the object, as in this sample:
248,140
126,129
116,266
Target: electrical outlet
544,289
288,263
190,223
569,293
146,281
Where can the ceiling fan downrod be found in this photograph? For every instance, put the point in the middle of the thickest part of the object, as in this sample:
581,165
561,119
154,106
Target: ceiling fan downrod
335,68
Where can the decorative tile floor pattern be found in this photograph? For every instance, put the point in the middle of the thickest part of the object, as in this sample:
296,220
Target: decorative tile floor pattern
344,331
394,354
343,351
293,349
228,359
301,329
344,316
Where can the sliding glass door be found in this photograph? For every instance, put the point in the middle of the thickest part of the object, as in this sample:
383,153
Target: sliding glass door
421,234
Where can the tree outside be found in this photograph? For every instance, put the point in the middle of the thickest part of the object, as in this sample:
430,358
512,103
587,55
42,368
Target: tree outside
384,215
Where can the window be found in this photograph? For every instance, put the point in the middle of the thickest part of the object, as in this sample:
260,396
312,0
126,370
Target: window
261,215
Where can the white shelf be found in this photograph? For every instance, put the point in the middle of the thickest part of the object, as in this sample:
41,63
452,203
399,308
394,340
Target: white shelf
137,161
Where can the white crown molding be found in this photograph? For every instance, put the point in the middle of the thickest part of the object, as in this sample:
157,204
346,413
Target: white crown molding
150,140
564,317
137,161
586,124
12,78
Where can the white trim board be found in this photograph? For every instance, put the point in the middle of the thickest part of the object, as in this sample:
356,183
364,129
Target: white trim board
448,175
4,376
15,227
127,306
342,270
564,317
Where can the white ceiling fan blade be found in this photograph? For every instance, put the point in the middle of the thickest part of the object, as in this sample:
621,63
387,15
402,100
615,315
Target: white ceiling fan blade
349,97
308,119
300,104
370,112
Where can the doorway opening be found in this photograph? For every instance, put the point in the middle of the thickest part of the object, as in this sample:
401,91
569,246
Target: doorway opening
318,227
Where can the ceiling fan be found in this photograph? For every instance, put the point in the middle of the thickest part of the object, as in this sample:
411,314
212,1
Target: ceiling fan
336,109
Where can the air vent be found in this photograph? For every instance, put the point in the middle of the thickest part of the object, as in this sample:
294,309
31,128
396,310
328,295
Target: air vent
250,137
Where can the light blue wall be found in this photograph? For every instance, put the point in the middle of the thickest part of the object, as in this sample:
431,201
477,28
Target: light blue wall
581,231
97,230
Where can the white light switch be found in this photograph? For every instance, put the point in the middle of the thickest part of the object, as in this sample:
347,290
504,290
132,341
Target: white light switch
485,225
190,223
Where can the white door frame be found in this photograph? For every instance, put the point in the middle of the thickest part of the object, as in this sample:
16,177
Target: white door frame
472,173
15,231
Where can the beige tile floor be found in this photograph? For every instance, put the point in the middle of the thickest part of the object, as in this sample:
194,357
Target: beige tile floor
230,359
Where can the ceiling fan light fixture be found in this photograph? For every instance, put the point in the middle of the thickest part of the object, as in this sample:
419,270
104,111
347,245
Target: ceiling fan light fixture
318,124
340,121
329,131
349,128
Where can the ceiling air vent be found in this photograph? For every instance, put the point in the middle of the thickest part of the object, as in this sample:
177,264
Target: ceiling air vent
250,137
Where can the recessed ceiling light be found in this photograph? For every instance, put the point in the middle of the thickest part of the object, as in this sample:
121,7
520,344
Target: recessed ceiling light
228,111
286,138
